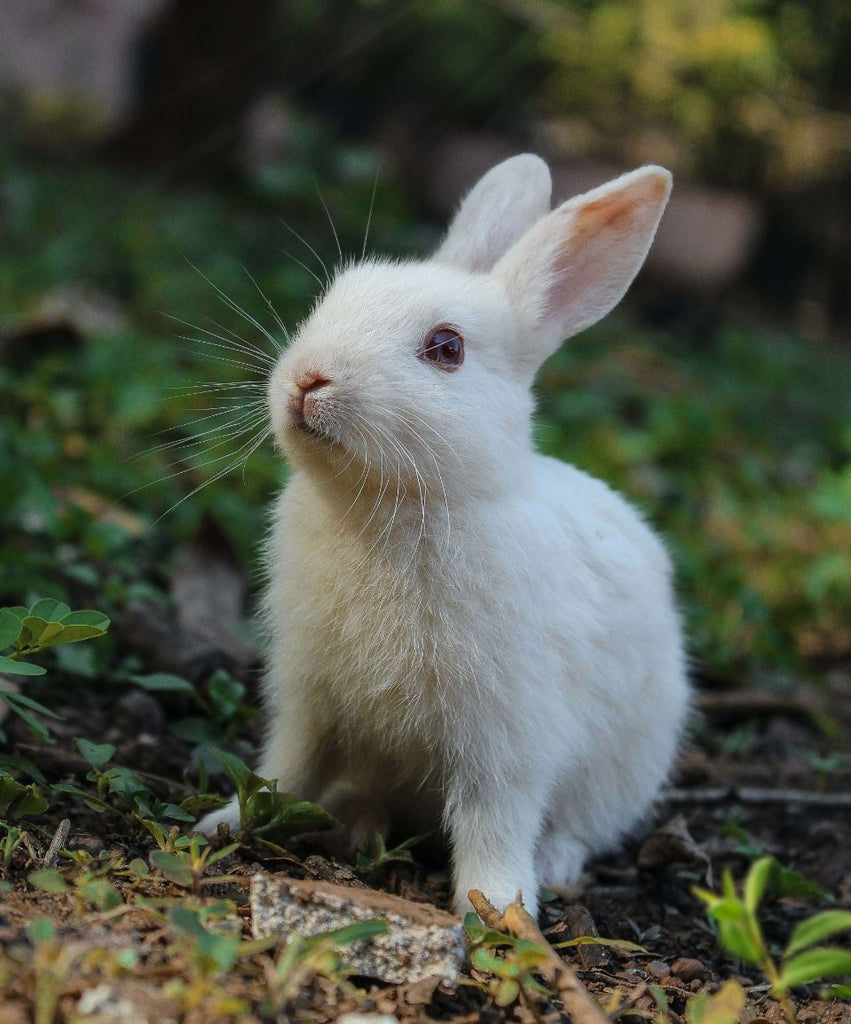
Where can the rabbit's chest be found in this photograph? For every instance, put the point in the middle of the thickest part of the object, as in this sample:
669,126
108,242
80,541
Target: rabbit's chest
388,652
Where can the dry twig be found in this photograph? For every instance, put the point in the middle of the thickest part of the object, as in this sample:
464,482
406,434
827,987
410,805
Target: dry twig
755,795
575,998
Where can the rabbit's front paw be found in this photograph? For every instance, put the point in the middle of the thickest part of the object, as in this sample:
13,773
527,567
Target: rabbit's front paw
229,815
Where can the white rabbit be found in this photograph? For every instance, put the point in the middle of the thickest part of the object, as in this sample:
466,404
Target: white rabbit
465,633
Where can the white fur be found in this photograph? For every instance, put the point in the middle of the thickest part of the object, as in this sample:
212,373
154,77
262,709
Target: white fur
464,631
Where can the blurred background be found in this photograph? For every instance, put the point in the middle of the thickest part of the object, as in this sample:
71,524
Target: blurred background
163,162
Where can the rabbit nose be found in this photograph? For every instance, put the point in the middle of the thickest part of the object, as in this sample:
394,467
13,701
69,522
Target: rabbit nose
306,383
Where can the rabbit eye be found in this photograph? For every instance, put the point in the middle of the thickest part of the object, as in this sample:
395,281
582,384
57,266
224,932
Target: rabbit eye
445,348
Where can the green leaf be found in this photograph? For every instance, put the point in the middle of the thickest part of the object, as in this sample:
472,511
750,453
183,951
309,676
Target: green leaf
18,801
102,893
594,940
201,803
10,628
266,811
245,781
37,632
360,931
187,921
52,611
225,851
757,880
97,754
174,812
836,992
95,619
222,950
506,992
789,883
22,764
815,965
737,938
41,929
139,868
125,783
20,705
723,1007
48,880
483,960
225,693
164,682
19,668
174,866
70,635
24,701
817,929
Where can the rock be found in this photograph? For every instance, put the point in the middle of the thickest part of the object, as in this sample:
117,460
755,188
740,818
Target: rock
74,57
659,968
673,844
421,940
366,1018
130,1002
580,923
688,969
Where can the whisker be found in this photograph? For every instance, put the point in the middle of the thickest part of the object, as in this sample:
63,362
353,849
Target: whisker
241,363
235,306
192,469
330,220
268,302
369,215
212,480
247,418
322,284
204,386
246,347
305,242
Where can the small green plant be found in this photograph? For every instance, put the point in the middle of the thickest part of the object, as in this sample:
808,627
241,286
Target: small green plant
373,853
263,809
304,958
722,1007
131,798
802,962
511,963
187,862
785,882
13,836
18,800
90,883
29,631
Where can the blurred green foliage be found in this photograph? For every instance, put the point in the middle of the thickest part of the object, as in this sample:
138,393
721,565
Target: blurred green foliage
753,92
736,442
735,90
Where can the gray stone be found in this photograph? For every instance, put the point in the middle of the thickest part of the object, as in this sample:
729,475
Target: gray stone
421,940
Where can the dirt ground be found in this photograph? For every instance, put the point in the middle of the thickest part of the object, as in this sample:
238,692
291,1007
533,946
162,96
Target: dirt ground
745,785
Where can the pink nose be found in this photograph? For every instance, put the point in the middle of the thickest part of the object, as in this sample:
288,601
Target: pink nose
307,383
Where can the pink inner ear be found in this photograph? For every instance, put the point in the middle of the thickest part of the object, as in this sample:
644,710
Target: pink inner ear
602,249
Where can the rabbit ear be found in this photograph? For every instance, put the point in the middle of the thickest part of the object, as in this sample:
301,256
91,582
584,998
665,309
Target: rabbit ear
496,211
574,266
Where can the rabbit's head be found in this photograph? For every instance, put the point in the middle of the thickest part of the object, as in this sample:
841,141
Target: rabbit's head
419,373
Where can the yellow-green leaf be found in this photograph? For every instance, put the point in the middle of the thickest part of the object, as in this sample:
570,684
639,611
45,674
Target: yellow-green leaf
817,929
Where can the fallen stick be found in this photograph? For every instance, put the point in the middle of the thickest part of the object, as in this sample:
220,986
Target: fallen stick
755,795
807,702
576,999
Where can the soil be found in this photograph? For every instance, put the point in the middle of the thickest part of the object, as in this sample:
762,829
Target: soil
730,800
